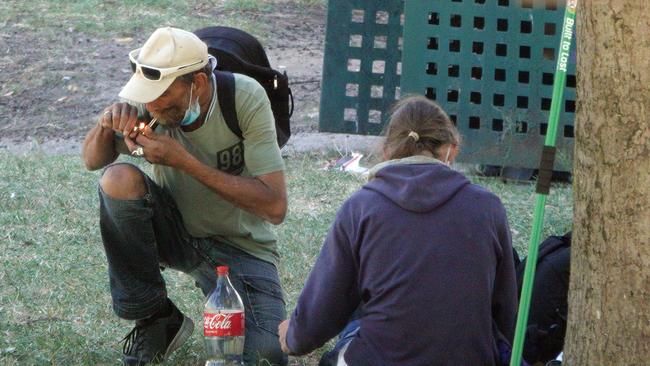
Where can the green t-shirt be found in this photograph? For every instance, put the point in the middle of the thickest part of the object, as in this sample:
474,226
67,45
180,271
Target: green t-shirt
207,214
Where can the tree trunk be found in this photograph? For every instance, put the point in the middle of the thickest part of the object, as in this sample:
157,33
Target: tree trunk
609,294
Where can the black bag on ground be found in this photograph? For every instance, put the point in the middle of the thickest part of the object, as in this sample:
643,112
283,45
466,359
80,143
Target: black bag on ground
239,52
547,317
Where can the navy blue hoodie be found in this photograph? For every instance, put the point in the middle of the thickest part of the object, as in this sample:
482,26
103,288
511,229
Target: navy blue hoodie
428,258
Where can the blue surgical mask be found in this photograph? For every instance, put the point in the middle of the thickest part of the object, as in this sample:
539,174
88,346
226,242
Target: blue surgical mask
193,111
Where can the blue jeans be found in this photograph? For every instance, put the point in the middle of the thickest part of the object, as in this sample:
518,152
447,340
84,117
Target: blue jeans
142,236
330,358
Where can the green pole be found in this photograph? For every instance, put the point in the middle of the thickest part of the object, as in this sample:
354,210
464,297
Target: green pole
544,179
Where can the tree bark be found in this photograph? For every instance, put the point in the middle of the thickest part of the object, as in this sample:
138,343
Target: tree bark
609,293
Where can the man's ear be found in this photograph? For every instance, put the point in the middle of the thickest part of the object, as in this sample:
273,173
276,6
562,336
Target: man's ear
201,80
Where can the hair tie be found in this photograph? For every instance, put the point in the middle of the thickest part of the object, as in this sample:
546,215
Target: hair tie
415,135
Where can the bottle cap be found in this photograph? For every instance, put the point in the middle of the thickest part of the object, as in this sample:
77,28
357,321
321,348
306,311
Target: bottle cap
222,270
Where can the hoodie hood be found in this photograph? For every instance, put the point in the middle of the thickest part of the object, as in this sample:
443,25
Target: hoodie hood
417,183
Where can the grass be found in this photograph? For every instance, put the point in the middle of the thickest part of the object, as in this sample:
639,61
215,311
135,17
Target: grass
103,19
248,5
55,306
54,300
95,17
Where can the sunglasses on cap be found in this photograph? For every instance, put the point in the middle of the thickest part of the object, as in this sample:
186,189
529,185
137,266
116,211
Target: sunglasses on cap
156,73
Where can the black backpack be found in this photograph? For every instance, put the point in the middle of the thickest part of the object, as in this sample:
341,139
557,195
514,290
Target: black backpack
239,52
547,318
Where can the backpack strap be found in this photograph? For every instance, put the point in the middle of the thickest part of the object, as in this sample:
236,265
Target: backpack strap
226,98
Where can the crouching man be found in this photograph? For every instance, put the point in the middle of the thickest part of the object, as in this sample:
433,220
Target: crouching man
210,201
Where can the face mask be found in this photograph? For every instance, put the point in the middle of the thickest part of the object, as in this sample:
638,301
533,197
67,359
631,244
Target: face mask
447,156
193,111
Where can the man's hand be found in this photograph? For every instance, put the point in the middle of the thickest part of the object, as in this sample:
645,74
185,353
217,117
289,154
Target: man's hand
99,148
158,148
120,117
282,332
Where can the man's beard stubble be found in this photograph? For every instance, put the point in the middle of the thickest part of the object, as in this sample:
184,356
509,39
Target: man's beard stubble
170,117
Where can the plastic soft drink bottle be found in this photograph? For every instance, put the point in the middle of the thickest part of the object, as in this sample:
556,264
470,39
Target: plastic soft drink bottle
223,323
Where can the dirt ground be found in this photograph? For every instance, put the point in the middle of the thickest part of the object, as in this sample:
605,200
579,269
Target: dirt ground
51,92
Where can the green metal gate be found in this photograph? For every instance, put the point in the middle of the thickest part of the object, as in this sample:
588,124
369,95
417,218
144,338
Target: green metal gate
490,65
362,65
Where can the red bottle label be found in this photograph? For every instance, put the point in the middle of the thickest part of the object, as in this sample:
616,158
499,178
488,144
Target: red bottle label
223,324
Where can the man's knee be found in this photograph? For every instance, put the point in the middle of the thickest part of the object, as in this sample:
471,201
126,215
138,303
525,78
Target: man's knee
123,181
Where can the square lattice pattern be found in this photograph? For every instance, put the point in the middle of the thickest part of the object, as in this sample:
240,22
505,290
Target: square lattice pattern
362,65
490,64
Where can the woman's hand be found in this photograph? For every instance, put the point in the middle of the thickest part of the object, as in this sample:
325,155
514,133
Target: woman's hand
282,332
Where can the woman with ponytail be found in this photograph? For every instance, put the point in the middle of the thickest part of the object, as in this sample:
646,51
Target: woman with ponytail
420,257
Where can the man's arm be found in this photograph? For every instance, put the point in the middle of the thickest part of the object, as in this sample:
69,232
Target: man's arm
99,147
264,195
504,294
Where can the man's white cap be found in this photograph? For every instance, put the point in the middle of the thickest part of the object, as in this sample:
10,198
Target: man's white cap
179,52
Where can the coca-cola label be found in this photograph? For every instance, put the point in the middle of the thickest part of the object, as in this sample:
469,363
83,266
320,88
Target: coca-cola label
223,324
